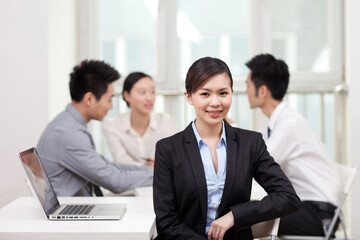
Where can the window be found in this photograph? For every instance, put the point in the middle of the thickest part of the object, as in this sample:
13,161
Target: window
127,34
163,38
303,34
213,28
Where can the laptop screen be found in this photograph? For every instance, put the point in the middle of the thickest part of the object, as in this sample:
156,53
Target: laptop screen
39,180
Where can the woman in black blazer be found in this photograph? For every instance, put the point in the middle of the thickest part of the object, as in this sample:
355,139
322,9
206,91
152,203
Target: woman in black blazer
203,175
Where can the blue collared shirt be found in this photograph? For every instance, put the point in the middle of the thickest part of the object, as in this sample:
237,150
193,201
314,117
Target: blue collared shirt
215,181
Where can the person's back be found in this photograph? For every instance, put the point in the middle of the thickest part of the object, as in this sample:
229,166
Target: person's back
67,149
67,131
295,146
302,155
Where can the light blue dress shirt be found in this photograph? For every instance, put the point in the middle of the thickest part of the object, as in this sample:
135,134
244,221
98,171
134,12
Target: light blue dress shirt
215,181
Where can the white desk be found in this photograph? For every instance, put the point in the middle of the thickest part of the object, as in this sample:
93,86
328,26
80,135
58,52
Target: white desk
24,219
137,192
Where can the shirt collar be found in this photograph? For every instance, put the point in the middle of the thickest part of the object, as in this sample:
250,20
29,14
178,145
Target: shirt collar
127,124
76,114
153,122
200,141
276,114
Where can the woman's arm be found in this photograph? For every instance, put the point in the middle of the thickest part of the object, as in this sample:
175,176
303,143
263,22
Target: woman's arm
281,198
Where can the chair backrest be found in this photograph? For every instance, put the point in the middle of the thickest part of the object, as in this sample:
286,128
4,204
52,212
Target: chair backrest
266,229
347,175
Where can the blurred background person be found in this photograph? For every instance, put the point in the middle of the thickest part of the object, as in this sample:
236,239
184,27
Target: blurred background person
67,149
132,136
295,146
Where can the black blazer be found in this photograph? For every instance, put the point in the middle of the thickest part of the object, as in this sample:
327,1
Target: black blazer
180,190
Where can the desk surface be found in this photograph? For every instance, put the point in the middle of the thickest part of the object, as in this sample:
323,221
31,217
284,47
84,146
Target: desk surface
25,219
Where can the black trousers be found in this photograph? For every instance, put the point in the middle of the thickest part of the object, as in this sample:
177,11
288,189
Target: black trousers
308,220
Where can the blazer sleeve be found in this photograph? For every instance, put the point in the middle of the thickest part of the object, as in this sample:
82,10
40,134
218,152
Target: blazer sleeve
165,206
281,199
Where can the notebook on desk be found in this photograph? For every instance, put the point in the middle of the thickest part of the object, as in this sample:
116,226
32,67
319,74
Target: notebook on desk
45,193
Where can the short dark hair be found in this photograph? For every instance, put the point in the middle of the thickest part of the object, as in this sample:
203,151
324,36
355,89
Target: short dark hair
203,69
91,76
130,80
271,72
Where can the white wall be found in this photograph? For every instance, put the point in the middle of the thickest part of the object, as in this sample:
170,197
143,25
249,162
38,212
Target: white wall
37,53
61,25
23,98
353,77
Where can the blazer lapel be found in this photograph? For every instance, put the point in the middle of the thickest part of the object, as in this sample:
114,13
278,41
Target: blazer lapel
194,157
231,164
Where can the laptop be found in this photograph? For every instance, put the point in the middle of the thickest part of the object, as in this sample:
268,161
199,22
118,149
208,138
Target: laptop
48,199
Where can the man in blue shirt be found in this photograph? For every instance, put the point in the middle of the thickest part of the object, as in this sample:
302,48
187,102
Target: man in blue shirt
67,149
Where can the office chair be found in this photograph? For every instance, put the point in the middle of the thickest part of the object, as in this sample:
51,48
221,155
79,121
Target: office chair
347,175
266,229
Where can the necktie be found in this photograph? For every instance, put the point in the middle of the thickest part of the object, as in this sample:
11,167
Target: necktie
96,190
94,187
269,132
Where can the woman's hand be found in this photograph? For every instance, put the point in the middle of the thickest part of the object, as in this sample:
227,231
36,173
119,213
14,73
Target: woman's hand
220,226
150,162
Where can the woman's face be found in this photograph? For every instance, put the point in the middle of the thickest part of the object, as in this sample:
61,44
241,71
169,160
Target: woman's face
142,96
212,100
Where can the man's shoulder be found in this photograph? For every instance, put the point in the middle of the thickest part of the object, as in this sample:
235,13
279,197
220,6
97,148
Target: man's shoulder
290,118
63,128
293,125
55,126
65,122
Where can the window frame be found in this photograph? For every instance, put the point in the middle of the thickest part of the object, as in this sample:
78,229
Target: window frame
169,84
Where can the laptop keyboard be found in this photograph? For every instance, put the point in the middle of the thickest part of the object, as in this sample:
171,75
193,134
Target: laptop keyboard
76,210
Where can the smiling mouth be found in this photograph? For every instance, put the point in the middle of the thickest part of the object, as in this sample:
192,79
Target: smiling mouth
148,106
214,113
